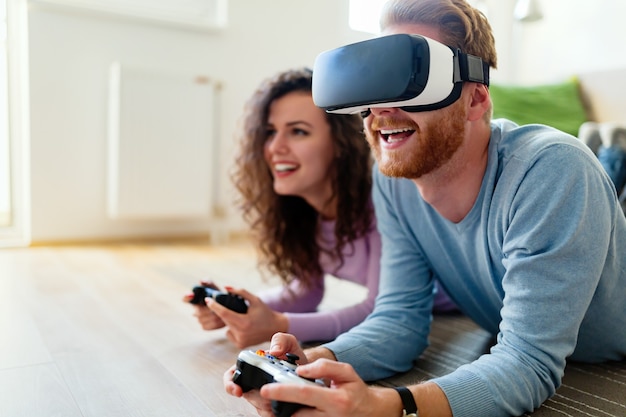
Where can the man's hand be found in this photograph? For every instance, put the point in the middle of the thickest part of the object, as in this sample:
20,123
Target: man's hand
281,344
262,405
347,395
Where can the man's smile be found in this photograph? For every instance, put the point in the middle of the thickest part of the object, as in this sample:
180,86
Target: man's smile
395,135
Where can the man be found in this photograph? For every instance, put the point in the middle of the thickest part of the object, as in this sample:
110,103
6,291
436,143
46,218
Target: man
522,227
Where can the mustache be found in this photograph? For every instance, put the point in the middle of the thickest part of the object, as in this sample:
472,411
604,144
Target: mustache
392,122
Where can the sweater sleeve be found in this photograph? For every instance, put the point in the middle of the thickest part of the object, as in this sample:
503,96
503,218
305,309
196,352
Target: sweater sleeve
301,306
397,331
294,297
328,324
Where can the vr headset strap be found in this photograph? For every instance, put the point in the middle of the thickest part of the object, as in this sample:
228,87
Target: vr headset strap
466,68
471,68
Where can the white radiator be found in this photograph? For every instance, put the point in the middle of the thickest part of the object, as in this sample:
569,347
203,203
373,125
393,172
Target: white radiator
162,144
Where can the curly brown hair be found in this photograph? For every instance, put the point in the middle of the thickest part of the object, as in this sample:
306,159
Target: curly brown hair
286,228
465,27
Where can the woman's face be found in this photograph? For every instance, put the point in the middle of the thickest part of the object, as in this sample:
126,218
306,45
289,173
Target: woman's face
299,149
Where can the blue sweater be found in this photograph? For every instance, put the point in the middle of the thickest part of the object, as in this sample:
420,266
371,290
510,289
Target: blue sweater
539,261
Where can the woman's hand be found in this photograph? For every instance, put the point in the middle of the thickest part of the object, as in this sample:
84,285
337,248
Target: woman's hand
251,328
206,317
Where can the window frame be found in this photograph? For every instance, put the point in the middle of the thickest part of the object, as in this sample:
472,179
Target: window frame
18,232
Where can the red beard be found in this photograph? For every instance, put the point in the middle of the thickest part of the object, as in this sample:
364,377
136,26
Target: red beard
433,144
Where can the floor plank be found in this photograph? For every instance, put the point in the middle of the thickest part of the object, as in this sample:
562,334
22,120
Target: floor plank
105,332
101,331
37,390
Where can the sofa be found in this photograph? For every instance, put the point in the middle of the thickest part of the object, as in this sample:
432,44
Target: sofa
593,96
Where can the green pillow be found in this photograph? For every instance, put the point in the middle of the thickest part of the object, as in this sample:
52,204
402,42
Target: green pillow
557,105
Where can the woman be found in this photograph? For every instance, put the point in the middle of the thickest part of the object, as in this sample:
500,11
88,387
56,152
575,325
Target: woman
304,177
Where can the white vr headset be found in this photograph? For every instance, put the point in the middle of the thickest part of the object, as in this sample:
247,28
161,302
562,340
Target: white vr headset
408,71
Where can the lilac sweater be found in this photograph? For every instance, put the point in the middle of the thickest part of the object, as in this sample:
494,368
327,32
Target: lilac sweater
361,265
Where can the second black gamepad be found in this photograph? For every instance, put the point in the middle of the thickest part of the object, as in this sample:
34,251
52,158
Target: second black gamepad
255,369
228,300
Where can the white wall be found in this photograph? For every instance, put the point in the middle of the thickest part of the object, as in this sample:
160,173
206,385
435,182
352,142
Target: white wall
70,55
69,59
573,37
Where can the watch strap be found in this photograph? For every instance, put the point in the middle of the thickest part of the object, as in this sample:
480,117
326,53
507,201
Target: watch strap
408,402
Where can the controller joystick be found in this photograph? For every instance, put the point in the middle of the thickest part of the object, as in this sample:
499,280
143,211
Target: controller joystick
291,358
255,369
228,300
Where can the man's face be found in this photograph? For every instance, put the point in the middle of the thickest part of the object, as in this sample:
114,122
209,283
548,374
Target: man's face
410,145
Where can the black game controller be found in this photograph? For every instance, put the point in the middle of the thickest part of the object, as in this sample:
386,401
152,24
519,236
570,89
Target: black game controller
228,300
255,369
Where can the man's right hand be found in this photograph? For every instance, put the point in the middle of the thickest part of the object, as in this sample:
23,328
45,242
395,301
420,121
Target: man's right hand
283,343
280,345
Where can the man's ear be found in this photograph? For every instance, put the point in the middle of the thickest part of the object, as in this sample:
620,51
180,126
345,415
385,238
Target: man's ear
479,101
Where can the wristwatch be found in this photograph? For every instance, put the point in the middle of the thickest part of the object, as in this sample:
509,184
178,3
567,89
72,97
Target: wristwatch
408,402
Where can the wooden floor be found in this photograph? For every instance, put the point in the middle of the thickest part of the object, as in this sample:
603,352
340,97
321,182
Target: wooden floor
102,331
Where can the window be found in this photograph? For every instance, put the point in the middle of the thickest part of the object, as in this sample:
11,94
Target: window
14,168
364,14
5,189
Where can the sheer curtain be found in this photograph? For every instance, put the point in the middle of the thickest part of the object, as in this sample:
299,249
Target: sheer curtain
5,189
14,125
